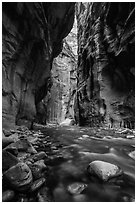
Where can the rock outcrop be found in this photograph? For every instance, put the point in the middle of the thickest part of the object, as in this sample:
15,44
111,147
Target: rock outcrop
33,35
106,62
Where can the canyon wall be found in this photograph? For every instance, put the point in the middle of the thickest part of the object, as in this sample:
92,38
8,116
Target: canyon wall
61,101
106,64
33,36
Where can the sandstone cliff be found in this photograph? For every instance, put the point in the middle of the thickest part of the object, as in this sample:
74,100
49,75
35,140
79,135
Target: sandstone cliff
106,62
32,36
61,102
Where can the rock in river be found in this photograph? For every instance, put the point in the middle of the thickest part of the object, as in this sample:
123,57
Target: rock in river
76,188
19,176
37,184
104,170
132,154
38,169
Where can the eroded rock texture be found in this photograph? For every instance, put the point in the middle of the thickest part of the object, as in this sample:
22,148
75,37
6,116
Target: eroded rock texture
60,104
32,37
106,62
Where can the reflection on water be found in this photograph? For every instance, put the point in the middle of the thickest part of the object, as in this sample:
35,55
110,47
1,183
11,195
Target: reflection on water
80,146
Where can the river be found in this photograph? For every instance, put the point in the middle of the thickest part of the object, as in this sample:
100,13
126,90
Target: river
70,151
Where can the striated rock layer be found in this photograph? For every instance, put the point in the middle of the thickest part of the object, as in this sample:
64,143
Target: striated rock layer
32,36
106,63
61,101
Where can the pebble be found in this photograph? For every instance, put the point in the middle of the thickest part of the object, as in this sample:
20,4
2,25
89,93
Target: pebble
37,184
104,170
8,195
76,188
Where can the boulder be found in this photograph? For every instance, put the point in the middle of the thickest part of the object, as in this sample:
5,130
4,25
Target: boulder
19,177
38,169
22,145
67,122
104,170
76,188
132,154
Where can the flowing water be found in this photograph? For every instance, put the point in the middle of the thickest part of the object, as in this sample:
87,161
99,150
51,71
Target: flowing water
73,148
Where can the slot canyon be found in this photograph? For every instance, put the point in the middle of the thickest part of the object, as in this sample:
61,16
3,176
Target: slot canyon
68,102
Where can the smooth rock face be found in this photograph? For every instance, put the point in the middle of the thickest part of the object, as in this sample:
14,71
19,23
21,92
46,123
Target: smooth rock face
106,64
32,37
19,177
104,170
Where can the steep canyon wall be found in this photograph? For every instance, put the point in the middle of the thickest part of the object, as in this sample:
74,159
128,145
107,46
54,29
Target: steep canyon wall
33,35
106,64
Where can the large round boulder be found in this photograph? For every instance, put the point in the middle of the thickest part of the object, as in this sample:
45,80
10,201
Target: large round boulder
19,176
104,170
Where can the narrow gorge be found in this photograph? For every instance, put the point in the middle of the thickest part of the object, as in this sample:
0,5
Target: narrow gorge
68,102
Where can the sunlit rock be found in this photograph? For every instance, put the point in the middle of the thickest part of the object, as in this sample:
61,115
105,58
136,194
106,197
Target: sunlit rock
132,154
67,122
104,170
